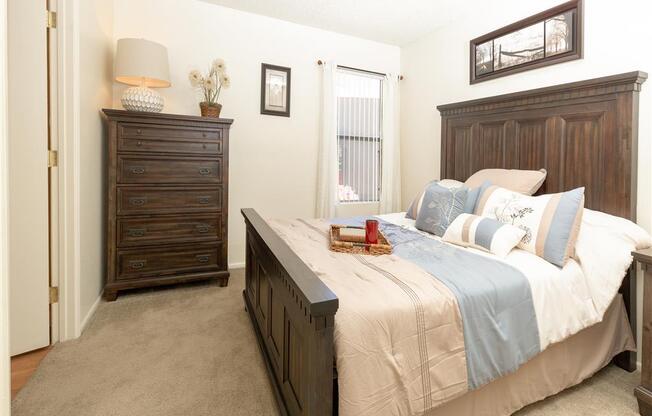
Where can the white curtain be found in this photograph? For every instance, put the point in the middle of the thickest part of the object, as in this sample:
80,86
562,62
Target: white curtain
327,169
390,193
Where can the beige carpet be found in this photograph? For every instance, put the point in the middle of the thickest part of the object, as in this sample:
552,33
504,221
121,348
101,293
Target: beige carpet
191,351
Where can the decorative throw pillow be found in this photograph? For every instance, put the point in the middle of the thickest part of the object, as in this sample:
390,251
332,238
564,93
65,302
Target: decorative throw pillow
413,210
472,197
551,222
522,181
484,233
469,205
440,206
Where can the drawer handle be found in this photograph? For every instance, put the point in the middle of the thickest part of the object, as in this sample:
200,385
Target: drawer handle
203,258
138,201
137,264
139,131
138,170
203,135
205,171
136,232
204,146
204,200
203,228
139,143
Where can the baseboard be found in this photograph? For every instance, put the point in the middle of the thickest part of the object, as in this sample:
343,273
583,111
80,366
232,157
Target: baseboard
240,265
91,312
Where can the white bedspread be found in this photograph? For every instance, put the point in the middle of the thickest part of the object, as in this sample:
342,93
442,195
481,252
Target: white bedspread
576,296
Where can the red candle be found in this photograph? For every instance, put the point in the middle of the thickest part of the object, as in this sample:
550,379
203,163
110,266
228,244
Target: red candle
371,232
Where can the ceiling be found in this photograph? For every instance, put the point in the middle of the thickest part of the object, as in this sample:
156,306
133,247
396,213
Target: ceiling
397,22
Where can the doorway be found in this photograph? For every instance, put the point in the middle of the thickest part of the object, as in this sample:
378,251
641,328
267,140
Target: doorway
31,168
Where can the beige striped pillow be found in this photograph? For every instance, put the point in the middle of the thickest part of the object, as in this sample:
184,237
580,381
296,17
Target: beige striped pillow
551,222
483,233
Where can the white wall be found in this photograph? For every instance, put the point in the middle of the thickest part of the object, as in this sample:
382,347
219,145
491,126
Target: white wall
436,70
272,159
95,90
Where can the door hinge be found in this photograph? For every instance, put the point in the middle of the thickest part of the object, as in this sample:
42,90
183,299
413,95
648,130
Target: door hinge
53,158
54,295
51,20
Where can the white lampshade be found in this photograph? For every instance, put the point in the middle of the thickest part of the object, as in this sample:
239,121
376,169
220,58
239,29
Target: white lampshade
142,62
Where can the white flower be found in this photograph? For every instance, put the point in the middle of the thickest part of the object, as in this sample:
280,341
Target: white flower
219,66
210,84
225,80
196,78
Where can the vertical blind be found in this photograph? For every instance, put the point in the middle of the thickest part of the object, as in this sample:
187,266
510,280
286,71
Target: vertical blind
359,143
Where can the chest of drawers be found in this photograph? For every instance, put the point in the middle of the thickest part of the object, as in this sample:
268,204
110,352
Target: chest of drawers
167,199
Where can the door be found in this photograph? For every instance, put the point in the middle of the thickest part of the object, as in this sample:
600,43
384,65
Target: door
29,312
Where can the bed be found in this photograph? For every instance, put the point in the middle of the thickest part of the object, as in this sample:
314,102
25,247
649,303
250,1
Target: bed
584,134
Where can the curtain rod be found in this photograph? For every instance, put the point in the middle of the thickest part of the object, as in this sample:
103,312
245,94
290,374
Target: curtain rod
320,62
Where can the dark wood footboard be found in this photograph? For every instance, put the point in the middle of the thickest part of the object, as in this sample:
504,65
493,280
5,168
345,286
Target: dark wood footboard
292,312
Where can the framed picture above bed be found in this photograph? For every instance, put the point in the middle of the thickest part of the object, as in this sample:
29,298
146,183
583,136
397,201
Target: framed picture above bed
275,90
547,38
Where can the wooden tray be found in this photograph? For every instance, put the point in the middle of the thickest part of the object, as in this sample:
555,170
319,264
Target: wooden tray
382,247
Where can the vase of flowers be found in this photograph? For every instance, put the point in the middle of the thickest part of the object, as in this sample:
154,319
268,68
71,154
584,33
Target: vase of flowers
210,110
210,85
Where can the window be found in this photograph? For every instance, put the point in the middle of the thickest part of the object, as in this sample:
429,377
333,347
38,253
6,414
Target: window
359,143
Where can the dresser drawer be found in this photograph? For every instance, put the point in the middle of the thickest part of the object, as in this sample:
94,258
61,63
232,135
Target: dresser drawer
168,200
152,169
144,263
164,139
177,229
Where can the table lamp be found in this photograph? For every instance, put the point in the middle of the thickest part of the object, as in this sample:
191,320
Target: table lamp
143,64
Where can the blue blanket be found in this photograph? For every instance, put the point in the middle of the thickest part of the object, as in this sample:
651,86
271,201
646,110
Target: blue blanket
495,300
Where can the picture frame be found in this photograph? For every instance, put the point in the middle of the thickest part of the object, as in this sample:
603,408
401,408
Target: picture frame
275,84
547,38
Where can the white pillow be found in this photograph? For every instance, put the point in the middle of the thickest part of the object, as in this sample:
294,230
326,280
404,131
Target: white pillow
603,248
483,233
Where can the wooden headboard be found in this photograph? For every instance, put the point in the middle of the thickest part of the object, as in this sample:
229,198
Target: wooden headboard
583,133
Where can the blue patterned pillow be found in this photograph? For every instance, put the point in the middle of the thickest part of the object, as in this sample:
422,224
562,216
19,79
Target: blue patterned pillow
471,200
440,207
415,206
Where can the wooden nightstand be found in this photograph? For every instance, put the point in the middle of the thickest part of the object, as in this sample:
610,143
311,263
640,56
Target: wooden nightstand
644,391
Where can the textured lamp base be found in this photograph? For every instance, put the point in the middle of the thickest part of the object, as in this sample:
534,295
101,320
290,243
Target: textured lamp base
142,99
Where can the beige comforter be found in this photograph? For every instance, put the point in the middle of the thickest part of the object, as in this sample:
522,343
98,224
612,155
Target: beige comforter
399,343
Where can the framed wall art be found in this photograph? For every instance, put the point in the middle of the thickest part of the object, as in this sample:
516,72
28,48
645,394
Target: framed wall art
550,37
275,90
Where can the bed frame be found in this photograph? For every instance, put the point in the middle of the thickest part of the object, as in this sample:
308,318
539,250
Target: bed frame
584,134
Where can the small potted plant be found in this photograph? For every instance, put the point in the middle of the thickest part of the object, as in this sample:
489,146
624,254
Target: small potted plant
210,85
